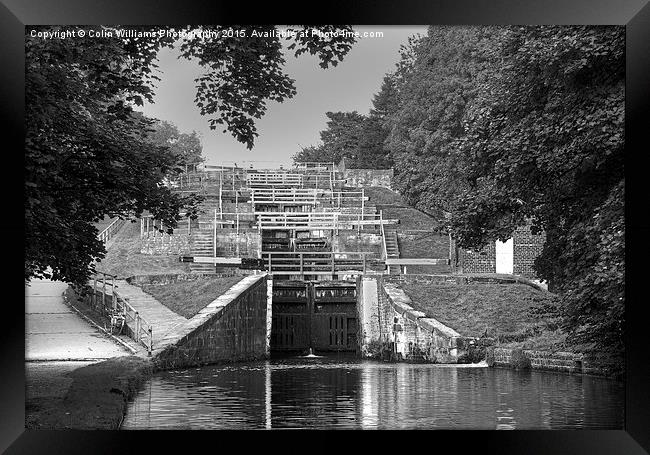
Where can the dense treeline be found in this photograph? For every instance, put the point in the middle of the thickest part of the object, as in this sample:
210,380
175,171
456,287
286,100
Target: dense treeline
489,128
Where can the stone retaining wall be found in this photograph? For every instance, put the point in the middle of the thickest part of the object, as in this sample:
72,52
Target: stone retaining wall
250,243
368,177
232,328
464,279
166,244
166,278
567,362
386,317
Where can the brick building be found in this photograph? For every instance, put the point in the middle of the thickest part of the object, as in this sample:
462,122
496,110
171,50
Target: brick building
515,256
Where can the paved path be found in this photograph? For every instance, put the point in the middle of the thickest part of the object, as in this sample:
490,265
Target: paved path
55,332
161,318
57,342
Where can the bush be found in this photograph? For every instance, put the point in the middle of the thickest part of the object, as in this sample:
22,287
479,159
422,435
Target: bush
489,356
374,349
518,360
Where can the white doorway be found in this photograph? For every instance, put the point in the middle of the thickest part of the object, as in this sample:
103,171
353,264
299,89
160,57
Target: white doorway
504,256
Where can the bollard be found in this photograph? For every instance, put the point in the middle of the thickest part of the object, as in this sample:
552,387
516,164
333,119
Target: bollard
114,300
150,342
104,291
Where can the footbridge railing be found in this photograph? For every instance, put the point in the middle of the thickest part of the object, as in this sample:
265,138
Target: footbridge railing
269,179
319,263
297,220
106,234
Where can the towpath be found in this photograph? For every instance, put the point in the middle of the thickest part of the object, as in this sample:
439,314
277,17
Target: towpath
57,341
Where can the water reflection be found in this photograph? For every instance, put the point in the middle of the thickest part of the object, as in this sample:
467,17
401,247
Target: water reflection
349,393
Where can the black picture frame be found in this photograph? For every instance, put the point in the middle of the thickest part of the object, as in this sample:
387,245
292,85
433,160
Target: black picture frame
634,14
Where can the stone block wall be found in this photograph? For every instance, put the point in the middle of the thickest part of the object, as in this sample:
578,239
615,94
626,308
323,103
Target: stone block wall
166,278
483,261
250,243
230,329
368,177
386,316
172,244
567,362
350,240
527,247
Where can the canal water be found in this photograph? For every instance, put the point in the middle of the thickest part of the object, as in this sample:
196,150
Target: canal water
349,393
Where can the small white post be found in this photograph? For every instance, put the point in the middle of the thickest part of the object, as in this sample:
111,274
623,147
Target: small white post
363,205
104,291
237,236
214,228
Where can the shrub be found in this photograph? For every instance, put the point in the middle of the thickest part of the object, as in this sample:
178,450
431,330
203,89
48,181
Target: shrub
518,360
489,356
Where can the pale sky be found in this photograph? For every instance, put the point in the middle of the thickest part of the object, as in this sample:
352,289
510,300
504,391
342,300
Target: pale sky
296,122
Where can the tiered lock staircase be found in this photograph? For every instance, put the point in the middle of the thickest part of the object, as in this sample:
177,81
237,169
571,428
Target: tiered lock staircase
392,247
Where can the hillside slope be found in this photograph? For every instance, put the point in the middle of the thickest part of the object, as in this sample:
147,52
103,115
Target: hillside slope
503,311
418,233
124,259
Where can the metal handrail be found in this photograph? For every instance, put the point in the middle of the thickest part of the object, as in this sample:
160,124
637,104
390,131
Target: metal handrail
384,252
320,262
142,331
106,234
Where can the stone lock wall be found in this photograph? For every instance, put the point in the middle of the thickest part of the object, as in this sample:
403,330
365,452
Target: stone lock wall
250,243
368,177
387,317
171,244
166,278
350,240
232,328
567,362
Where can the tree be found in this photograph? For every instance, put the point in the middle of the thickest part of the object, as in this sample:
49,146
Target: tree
547,134
372,152
496,127
435,80
358,138
186,147
340,139
87,155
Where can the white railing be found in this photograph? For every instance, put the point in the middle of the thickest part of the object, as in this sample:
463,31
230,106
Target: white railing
295,220
384,253
284,178
141,330
318,263
106,234
306,195
120,311
316,165
278,195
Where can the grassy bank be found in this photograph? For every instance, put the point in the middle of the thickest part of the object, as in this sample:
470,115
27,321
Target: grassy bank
416,232
96,398
124,259
506,312
189,297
